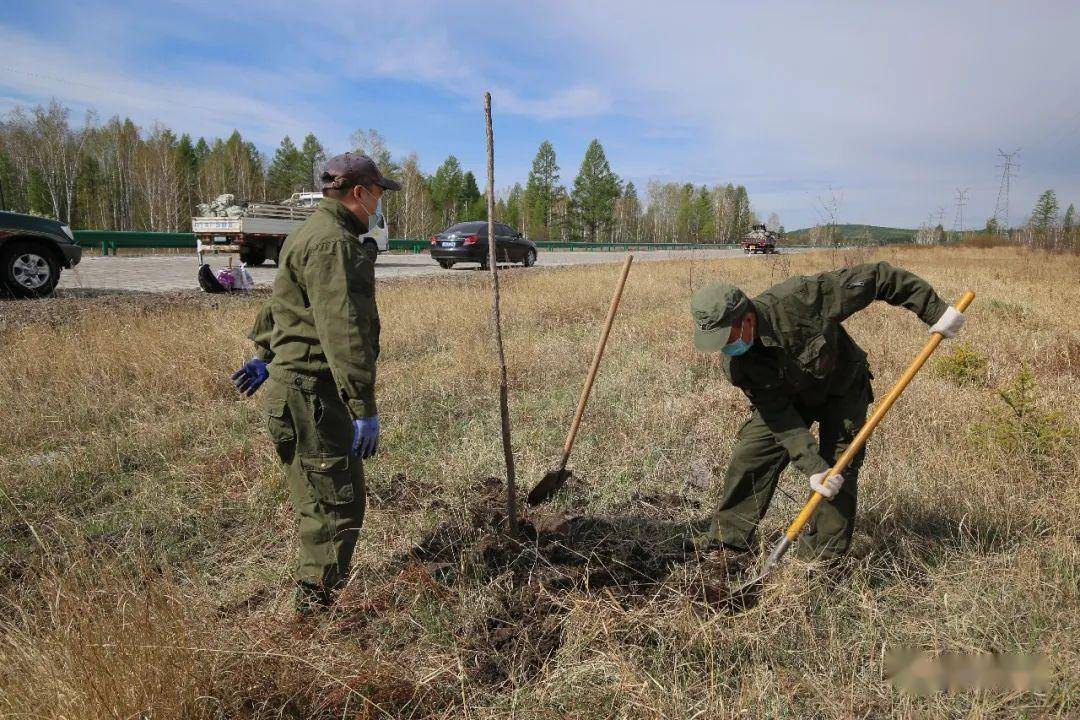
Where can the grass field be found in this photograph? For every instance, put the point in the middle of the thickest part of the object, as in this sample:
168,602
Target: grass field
146,540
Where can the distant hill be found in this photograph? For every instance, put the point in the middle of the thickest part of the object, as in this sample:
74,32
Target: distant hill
860,233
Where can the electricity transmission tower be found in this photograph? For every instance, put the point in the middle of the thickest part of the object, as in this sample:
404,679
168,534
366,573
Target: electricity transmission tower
961,201
1001,207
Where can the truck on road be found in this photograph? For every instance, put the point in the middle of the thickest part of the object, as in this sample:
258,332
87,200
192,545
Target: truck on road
258,230
759,240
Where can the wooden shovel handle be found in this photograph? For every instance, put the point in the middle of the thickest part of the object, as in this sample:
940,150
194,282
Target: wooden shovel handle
810,508
572,435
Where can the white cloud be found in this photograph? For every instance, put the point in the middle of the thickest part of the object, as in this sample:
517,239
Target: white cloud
908,100
573,102
213,100
430,46
895,104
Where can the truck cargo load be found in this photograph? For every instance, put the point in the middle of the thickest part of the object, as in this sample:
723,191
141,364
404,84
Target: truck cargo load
257,230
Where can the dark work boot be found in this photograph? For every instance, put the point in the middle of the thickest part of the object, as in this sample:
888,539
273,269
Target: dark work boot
709,541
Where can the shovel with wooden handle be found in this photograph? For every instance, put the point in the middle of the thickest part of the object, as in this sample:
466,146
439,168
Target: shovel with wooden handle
799,524
555,479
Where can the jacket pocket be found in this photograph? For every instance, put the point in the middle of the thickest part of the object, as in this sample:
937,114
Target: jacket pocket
330,478
333,424
816,359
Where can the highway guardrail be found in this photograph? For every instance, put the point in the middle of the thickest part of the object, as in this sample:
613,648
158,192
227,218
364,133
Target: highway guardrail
109,241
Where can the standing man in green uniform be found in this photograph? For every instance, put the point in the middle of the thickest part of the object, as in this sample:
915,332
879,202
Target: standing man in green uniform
319,334
787,350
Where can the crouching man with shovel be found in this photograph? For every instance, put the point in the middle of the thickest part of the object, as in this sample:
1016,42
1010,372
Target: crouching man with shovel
788,352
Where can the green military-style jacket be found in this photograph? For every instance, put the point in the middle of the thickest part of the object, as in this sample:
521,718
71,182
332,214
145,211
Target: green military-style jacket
803,355
321,319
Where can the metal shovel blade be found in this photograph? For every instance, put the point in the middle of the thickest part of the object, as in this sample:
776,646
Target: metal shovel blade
545,489
771,564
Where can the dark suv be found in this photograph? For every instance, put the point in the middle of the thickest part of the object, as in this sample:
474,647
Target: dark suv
467,242
33,250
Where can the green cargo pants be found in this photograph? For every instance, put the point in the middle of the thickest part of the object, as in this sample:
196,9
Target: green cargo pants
313,433
758,459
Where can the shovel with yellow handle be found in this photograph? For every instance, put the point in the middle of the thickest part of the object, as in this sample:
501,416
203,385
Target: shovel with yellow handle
799,524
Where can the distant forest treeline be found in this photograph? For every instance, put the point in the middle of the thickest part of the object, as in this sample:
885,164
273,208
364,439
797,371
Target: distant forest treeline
116,175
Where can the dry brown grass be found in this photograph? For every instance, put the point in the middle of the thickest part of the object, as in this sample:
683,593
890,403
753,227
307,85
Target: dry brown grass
145,538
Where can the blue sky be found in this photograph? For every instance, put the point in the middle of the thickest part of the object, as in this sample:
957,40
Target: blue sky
887,107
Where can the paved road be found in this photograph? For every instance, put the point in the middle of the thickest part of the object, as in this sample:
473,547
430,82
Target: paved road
159,273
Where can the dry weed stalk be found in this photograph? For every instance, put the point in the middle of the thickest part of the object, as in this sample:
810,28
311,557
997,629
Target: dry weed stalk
496,325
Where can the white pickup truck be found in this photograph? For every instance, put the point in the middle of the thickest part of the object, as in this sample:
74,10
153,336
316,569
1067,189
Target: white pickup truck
259,231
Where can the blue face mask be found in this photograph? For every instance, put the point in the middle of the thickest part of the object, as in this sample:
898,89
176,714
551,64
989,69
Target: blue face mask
738,347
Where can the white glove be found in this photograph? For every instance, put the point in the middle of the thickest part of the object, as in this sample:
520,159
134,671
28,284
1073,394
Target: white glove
949,324
829,487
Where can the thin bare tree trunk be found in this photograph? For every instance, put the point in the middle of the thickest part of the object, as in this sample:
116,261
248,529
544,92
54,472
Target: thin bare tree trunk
496,322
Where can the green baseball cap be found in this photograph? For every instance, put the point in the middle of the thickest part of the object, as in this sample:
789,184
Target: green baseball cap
715,309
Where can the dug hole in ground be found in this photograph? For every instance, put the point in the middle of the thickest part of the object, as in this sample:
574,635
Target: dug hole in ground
156,576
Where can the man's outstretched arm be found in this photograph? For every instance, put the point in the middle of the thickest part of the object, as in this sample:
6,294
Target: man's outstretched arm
851,289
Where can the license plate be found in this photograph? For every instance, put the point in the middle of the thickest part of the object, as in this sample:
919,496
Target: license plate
449,244
220,239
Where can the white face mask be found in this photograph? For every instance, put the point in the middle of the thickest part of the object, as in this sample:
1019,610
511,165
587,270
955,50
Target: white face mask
375,219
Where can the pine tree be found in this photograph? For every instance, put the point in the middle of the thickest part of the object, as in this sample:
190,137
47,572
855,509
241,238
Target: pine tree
446,187
314,156
287,170
471,207
595,190
88,194
686,219
541,191
187,160
1045,215
703,212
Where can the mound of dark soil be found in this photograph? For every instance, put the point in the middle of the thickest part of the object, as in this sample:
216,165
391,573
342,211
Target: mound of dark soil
556,550
630,559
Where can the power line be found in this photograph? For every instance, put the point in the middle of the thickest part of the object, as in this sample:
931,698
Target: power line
961,201
1001,207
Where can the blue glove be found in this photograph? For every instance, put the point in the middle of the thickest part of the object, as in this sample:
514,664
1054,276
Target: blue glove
248,378
365,436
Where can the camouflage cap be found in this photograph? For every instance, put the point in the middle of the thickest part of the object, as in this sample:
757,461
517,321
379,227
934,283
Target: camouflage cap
715,309
350,169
